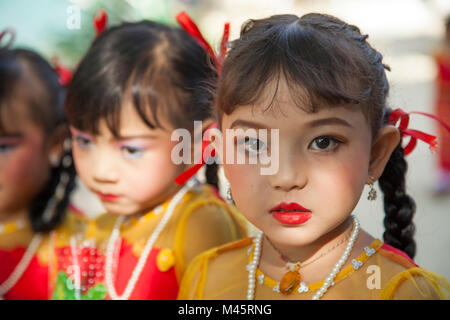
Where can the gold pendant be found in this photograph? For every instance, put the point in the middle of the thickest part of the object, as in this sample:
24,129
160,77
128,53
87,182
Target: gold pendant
289,281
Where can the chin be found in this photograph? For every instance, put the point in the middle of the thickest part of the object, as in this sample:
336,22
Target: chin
292,236
118,209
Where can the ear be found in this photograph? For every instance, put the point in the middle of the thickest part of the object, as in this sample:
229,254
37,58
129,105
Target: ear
383,145
55,144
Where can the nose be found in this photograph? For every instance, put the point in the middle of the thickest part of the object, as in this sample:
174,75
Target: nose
104,168
291,174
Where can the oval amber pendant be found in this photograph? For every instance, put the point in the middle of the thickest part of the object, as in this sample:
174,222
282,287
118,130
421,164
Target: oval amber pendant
289,281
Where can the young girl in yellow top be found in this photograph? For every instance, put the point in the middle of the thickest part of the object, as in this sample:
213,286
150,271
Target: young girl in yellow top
318,82
137,83
36,172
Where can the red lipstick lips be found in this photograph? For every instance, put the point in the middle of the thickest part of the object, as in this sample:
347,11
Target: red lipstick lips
107,197
290,213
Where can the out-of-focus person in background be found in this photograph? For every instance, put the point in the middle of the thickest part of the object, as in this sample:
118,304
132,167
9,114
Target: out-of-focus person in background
137,83
36,169
442,58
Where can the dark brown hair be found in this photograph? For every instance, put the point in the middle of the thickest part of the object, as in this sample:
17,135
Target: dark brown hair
161,70
324,62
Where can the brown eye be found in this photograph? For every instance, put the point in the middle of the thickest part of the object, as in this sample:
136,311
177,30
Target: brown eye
324,143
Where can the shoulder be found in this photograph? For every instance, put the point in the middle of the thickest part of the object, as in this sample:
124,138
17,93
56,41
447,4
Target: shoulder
408,281
416,284
206,208
214,269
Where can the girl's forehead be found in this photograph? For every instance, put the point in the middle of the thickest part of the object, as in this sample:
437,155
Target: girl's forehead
15,117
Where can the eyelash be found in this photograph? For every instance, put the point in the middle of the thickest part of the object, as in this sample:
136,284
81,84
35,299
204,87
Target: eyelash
7,148
334,141
83,142
132,152
259,142
128,151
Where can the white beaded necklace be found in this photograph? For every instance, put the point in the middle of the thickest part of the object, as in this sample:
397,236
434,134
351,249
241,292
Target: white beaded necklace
21,266
328,281
148,246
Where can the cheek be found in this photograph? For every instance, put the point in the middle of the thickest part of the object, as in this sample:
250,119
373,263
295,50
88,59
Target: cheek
24,173
151,176
82,164
246,183
341,180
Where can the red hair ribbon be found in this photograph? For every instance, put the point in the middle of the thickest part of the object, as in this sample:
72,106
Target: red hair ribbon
100,21
223,45
64,73
189,173
12,35
190,27
414,134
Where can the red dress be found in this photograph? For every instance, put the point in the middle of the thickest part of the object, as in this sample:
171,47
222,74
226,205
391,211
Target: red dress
33,284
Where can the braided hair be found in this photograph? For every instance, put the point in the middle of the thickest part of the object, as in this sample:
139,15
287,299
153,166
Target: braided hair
49,205
324,61
399,207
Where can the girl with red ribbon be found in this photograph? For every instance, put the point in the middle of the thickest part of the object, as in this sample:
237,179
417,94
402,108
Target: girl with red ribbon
137,83
318,82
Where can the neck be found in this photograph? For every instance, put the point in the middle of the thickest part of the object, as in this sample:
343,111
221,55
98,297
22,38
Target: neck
167,196
306,253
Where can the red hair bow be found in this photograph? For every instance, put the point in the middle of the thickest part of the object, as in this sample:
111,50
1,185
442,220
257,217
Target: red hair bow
64,74
414,134
190,27
100,21
186,175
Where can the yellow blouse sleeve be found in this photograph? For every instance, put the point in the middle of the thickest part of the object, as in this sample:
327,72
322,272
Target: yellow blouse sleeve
192,285
204,225
416,284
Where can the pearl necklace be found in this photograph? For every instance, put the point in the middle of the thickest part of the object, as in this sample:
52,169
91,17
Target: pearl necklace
21,266
328,281
148,246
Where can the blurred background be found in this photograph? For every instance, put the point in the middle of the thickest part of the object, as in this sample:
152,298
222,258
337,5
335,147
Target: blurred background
406,32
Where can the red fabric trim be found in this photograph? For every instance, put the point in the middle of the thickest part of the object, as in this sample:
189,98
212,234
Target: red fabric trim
397,251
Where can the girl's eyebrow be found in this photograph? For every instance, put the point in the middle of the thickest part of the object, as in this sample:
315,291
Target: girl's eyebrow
145,136
314,123
327,121
250,124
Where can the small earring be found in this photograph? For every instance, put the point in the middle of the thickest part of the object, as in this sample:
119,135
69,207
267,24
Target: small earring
229,196
372,192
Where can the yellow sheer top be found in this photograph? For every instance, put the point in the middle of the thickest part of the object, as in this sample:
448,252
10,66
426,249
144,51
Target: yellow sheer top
199,222
381,273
